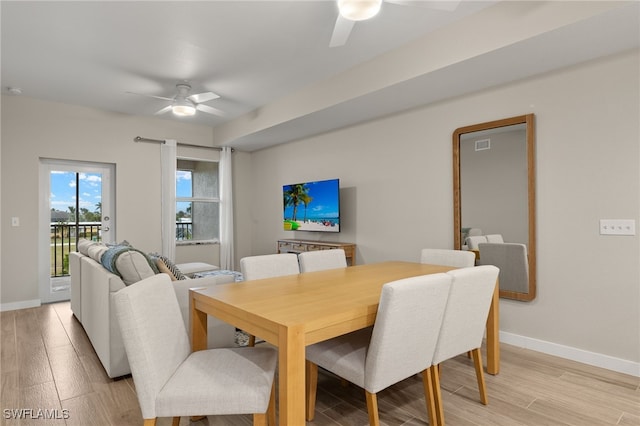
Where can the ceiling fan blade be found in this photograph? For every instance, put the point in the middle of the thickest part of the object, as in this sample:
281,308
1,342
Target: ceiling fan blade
210,110
150,96
203,97
164,110
446,5
341,31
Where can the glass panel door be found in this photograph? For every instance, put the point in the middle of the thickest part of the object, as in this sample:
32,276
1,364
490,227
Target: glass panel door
77,204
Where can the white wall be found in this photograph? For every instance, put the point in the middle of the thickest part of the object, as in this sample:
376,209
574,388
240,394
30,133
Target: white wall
396,179
33,129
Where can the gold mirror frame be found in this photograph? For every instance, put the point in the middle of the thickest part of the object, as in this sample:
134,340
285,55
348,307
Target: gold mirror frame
528,121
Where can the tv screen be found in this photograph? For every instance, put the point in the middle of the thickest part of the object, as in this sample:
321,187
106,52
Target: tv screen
312,206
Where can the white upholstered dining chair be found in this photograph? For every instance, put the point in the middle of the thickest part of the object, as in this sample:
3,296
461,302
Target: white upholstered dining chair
474,240
268,266
494,238
400,344
319,260
513,262
454,258
463,325
172,381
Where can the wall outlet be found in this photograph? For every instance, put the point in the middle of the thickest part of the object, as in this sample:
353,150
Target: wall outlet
617,227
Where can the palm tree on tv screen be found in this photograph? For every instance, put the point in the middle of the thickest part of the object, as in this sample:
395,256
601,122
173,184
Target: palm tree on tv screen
306,199
294,195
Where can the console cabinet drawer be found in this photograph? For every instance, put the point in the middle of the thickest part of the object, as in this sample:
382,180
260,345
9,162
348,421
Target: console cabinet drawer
299,246
284,247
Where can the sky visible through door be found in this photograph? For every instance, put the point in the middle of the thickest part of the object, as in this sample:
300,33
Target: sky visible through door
63,196
75,203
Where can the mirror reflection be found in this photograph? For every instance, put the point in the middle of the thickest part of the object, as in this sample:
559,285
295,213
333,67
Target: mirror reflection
494,212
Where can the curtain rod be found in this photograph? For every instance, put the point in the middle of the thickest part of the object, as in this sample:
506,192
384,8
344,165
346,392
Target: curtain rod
141,139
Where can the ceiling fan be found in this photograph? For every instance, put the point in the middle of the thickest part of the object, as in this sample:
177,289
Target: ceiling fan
183,104
352,11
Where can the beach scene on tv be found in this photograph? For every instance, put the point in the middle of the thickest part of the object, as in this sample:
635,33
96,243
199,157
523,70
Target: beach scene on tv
312,206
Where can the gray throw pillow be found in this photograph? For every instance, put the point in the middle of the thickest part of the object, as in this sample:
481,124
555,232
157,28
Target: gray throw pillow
133,266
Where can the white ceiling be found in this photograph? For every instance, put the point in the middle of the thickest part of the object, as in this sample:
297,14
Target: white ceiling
255,53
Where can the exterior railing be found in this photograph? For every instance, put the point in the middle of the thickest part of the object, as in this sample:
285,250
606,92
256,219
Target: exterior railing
184,231
65,234
63,241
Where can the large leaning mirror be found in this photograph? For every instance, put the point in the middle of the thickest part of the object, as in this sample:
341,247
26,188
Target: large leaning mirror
494,200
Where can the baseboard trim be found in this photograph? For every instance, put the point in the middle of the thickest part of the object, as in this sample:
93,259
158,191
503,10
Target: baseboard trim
20,305
574,354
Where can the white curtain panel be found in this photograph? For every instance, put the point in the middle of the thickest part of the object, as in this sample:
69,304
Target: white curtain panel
226,211
168,153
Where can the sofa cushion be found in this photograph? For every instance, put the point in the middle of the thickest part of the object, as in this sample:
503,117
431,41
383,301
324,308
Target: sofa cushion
83,246
96,251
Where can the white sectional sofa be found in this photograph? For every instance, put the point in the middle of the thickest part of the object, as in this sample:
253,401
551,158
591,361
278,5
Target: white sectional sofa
92,290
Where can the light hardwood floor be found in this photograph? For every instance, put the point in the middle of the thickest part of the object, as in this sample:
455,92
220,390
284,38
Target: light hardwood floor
48,363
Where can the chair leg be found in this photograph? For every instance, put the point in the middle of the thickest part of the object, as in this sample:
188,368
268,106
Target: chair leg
271,411
311,389
427,383
252,340
259,419
372,408
437,394
150,422
482,387
175,421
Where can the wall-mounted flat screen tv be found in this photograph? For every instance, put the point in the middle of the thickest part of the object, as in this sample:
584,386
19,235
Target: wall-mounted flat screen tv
312,206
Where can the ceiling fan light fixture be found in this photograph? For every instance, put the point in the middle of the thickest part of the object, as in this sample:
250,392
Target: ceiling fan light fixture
359,10
183,108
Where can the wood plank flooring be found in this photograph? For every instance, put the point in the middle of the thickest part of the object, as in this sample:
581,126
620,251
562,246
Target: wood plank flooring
47,363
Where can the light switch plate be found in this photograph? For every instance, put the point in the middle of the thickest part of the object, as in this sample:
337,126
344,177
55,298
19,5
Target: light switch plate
617,227
15,221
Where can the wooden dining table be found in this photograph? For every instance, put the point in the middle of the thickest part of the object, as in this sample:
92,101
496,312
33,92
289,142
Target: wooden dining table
294,311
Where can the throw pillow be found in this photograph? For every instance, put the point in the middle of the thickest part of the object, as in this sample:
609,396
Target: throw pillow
133,266
129,263
162,268
168,267
165,270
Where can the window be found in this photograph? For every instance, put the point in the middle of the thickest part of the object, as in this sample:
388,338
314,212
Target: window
197,201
